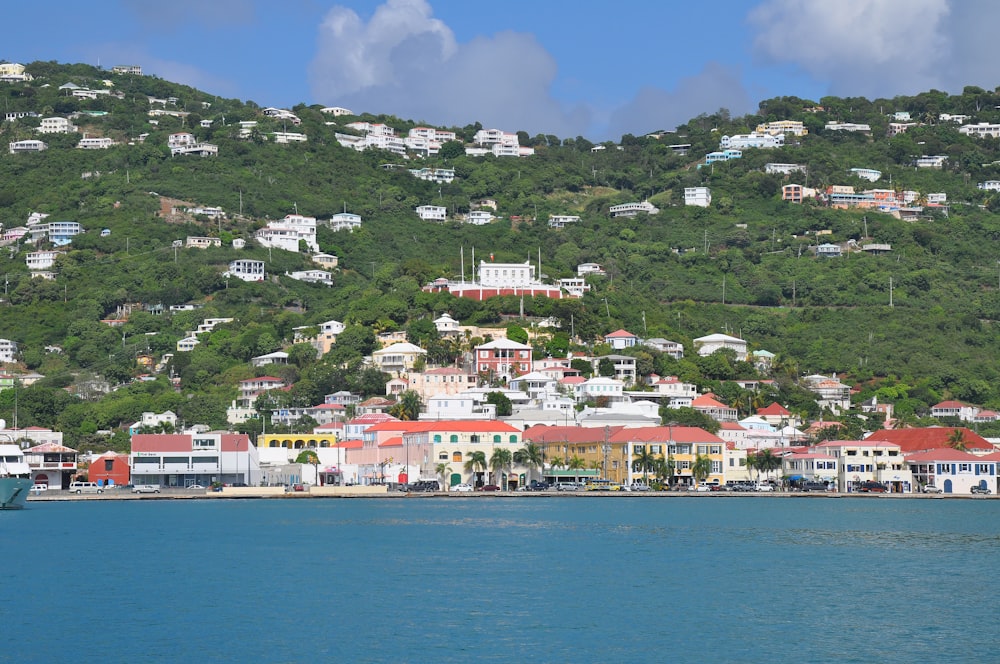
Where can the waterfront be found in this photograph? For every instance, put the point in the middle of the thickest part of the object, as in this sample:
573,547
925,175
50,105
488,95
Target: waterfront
373,580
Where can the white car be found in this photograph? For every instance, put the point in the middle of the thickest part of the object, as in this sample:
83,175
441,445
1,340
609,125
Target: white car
764,487
464,487
38,488
146,488
930,488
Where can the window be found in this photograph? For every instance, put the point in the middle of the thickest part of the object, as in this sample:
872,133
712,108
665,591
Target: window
442,456
109,465
474,438
716,467
513,438
496,438
437,438
655,449
456,456
453,438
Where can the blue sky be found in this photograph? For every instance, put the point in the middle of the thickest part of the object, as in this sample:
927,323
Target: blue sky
593,68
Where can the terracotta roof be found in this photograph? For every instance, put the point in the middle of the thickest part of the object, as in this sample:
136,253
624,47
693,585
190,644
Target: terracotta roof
373,418
930,438
541,433
942,454
949,404
351,444
707,401
663,434
620,334
51,447
395,441
732,426
773,409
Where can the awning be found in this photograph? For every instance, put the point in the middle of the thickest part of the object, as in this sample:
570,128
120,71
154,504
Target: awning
794,478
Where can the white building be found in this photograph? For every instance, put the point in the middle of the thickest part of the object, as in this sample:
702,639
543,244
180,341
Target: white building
432,212
246,269
8,349
574,286
600,387
281,114
289,137
633,209
869,174
29,145
438,175
288,232
783,169
980,130
698,196
312,276
95,143
560,220
479,217
345,221
56,126
336,111
752,140
847,126
709,344
39,261
506,275
990,185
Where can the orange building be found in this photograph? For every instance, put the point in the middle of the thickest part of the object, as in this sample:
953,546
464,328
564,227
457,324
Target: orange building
110,468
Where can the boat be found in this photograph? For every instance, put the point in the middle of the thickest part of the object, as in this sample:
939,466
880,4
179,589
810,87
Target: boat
15,478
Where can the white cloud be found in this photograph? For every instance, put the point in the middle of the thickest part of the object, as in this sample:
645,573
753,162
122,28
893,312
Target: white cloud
860,47
405,62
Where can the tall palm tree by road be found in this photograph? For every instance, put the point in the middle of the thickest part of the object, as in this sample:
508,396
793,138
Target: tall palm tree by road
443,470
500,462
475,464
644,461
701,468
529,456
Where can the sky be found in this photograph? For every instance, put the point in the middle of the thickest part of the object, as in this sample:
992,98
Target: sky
589,68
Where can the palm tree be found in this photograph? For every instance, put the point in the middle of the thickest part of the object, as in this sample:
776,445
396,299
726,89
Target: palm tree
767,462
530,456
644,461
670,465
752,464
499,462
556,462
475,464
956,440
701,468
443,470
576,463
407,407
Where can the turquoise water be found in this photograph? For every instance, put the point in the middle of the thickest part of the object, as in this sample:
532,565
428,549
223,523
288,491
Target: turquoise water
546,579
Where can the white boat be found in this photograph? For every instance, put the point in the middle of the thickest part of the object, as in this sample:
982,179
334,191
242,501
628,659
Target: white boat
15,478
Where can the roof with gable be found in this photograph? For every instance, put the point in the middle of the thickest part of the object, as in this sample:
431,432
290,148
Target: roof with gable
620,334
708,401
662,434
732,426
541,433
774,408
950,404
942,454
394,441
51,448
930,438
351,444
373,418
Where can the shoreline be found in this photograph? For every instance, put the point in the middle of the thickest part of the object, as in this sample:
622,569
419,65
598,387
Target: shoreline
269,493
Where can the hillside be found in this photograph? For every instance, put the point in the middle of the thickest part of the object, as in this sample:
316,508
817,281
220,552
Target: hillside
914,324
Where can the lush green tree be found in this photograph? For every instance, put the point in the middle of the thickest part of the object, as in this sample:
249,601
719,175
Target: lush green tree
500,463
687,417
701,468
530,456
407,406
475,464
502,402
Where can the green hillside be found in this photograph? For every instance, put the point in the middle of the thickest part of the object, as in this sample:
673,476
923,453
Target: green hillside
744,265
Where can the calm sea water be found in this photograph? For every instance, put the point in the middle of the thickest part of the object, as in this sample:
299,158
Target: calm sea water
469,580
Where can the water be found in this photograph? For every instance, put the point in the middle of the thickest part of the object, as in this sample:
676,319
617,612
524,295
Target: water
547,579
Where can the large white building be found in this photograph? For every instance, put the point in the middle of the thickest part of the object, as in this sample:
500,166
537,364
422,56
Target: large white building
432,212
345,221
632,209
55,126
698,196
246,269
288,232
8,349
752,140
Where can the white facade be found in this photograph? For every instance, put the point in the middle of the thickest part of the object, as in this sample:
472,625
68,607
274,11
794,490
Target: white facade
30,145
438,175
289,137
8,349
575,286
39,261
336,111
783,169
632,209
312,276
698,196
869,174
345,221
432,212
847,126
506,275
584,269
95,143
246,270
980,130
595,388
752,140
709,344
288,232
560,220
55,126
479,217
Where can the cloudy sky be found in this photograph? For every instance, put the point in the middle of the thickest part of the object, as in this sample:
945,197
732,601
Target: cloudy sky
593,68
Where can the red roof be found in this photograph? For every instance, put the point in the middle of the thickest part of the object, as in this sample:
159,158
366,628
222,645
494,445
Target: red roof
620,334
732,426
930,438
773,409
541,433
664,434
51,448
351,444
949,404
373,418
942,454
395,441
263,379
707,401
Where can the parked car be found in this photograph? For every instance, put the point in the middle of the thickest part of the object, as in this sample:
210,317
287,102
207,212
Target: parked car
537,485
872,487
700,488
567,486
741,486
930,488
981,490
490,487
38,488
146,488
638,486
814,486
424,486
763,486
464,487
84,487
195,486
